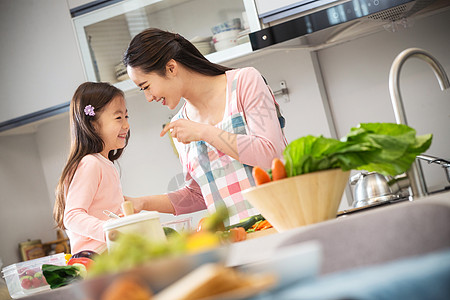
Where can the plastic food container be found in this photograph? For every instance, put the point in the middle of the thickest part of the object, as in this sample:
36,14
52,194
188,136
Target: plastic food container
145,223
179,225
26,278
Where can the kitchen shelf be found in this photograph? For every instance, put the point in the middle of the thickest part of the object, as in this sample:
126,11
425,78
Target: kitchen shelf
104,34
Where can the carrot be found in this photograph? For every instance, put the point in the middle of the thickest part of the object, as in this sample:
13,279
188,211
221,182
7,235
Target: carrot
261,225
260,175
278,170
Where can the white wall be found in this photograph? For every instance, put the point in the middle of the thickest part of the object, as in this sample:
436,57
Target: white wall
356,77
25,212
304,112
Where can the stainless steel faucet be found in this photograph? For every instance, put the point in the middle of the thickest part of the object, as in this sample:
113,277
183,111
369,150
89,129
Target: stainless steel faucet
415,174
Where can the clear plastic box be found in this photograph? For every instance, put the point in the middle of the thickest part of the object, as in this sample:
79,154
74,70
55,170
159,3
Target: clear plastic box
180,224
26,278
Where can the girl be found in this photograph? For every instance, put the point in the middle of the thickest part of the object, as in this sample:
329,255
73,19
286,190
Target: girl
228,123
89,182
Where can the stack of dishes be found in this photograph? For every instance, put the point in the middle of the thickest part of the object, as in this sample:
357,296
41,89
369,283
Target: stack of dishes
203,44
226,34
120,71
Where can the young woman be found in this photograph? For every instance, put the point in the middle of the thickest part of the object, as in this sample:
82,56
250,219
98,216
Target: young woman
227,125
90,182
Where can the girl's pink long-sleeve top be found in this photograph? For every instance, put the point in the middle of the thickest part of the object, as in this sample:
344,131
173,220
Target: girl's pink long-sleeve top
94,188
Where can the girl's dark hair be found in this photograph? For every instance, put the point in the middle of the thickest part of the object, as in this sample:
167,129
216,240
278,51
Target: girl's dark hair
152,49
85,140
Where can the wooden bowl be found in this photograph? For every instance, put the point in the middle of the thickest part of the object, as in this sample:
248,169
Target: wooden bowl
300,200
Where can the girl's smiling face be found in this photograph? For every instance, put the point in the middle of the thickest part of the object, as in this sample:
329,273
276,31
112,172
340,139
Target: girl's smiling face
156,87
112,125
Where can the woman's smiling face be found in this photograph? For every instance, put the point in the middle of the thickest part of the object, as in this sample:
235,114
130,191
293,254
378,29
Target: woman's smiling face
156,87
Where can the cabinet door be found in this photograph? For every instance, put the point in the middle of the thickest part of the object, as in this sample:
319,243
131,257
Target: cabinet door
104,34
40,63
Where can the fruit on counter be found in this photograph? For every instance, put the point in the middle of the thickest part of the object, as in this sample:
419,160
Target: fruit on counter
31,278
260,176
278,170
30,272
26,282
36,282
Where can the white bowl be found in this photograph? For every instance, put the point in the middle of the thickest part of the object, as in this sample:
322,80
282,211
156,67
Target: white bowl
225,44
230,34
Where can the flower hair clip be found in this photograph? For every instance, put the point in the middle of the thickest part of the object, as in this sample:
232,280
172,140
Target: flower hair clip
89,110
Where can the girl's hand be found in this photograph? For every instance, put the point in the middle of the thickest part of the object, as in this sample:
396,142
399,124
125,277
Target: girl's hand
185,131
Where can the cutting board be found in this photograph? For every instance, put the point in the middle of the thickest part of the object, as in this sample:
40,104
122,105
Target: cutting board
257,234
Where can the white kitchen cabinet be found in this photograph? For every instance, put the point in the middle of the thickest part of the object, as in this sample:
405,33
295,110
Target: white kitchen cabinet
40,62
104,34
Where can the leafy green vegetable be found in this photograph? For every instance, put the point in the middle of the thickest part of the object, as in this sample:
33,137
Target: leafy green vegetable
133,249
57,276
386,148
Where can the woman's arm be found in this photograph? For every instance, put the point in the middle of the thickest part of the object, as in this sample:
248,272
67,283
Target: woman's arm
160,203
185,200
265,139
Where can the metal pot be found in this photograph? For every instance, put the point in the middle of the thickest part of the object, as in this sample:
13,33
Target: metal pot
370,188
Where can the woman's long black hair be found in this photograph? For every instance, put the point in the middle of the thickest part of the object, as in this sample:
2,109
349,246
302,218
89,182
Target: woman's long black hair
153,48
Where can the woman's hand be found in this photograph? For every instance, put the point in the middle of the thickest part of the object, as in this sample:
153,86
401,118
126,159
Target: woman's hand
185,131
137,203
160,203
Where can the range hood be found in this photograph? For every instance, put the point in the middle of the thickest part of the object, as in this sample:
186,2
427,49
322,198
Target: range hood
321,23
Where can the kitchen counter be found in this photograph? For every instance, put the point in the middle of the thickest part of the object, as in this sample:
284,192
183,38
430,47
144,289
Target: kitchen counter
367,240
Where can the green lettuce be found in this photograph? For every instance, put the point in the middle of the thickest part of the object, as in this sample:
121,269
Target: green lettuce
386,148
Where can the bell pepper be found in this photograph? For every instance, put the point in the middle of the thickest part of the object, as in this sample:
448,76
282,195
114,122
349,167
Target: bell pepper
87,262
